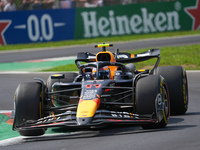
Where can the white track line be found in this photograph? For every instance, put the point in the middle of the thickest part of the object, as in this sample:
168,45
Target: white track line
5,111
50,59
12,141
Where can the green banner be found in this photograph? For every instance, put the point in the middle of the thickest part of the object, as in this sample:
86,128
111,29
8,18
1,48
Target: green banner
139,18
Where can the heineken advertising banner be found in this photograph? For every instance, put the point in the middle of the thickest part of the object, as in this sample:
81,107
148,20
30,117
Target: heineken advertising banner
137,19
68,24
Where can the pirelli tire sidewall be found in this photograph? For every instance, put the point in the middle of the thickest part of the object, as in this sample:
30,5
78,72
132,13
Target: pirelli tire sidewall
27,104
177,83
147,91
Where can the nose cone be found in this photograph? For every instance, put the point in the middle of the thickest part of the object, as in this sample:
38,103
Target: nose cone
83,121
86,110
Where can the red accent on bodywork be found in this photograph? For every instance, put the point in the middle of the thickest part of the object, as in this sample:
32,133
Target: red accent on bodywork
88,86
115,120
106,90
97,85
97,101
41,125
81,100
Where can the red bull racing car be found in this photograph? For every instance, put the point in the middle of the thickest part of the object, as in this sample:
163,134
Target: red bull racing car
107,90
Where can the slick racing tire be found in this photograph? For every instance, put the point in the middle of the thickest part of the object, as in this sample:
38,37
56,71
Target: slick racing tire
69,77
176,79
28,107
152,99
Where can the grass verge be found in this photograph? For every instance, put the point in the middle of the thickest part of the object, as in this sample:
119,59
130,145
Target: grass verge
97,40
186,56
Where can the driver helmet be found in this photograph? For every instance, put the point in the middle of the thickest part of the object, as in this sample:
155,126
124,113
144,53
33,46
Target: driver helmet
104,73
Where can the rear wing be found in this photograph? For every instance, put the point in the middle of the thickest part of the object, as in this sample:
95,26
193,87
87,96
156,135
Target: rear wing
122,57
127,58
131,58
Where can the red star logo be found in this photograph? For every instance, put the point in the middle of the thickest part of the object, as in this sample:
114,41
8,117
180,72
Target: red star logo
194,13
4,24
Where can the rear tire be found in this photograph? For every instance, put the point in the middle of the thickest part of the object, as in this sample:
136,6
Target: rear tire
149,90
69,78
176,79
28,107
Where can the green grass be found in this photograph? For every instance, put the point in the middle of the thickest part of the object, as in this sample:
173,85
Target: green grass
186,56
97,40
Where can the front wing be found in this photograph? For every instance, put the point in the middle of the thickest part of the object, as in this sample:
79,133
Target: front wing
101,117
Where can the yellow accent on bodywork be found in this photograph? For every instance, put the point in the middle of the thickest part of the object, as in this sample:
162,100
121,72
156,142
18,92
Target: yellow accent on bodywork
103,45
86,108
57,75
141,70
112,58
132,55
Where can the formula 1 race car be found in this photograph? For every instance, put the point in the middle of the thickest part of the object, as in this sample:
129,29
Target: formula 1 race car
107,90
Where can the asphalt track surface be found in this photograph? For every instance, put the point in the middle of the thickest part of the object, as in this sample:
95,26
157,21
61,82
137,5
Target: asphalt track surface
183,132
73,50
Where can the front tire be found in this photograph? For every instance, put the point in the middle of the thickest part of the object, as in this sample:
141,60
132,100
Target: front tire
28,107
150,90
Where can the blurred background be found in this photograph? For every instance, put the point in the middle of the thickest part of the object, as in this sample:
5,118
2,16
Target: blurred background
65,4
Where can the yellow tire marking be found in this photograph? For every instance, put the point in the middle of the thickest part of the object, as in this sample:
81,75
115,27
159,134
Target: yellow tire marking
164,117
